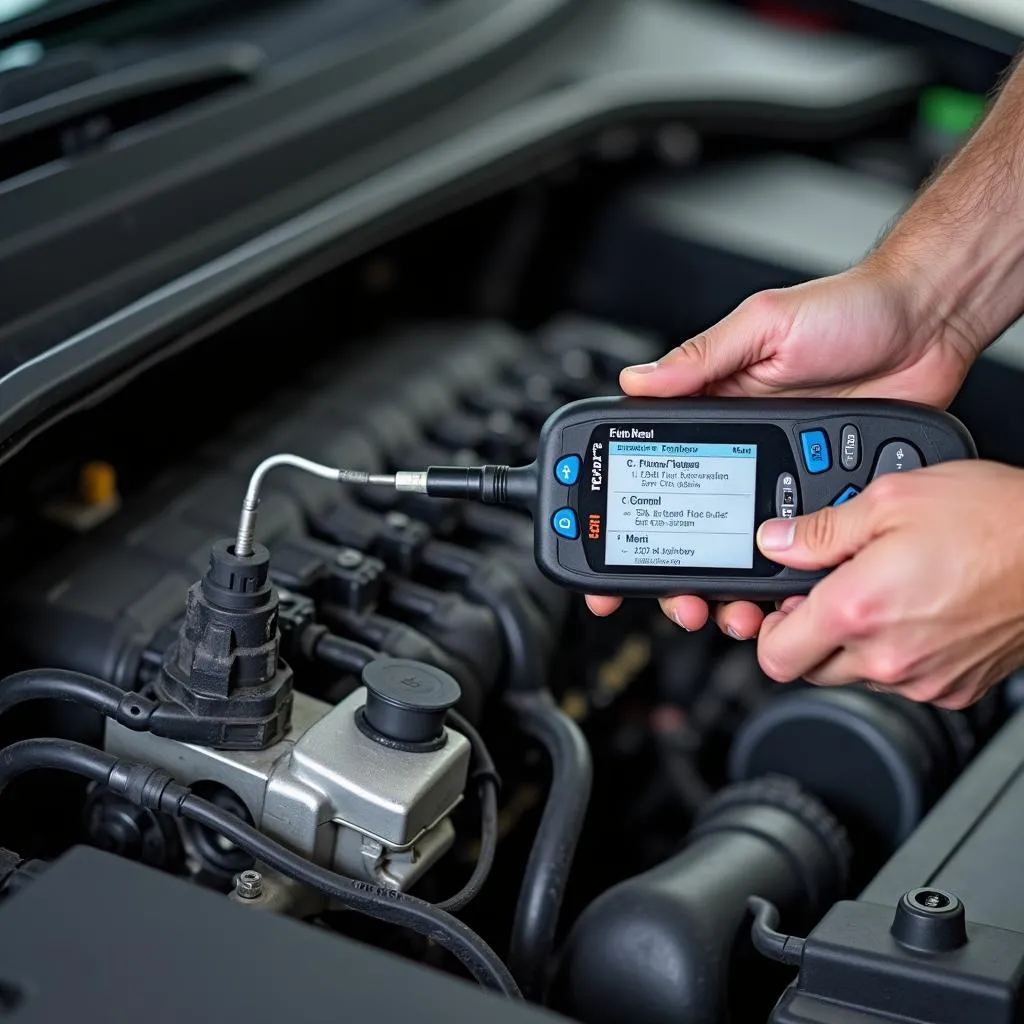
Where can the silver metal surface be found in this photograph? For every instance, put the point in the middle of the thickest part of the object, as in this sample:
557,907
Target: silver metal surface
329,792
249,885
283,895
414,482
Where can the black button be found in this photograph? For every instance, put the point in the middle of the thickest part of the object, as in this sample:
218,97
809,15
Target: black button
897,457
406,700
787,501
849,447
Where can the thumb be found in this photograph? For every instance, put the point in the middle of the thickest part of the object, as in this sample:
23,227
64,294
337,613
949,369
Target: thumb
822,539
731,345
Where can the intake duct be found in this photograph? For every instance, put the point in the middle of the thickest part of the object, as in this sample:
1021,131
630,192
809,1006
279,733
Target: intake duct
671,945
877,761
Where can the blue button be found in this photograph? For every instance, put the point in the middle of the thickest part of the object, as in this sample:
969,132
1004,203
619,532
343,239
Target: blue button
567,470
850,492
816,455
564,523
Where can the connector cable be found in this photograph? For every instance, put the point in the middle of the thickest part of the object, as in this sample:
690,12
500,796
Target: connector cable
491,485
247,520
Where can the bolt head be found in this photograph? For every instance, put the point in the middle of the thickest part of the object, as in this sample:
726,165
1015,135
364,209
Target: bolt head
249,885
932,901
348,558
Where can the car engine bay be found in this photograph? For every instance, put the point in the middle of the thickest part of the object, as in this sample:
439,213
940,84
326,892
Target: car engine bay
397,746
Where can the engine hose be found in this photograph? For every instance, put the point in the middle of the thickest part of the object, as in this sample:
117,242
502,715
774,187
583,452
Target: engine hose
132,710
547,869
342,655
152,787
63,685
672,945
487,776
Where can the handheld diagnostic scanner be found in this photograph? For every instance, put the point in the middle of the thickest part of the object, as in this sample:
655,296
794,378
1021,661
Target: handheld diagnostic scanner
655,497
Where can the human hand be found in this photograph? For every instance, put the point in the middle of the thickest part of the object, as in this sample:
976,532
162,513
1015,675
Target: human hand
861,334
927,599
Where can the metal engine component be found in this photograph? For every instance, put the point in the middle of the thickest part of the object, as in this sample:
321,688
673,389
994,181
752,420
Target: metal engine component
330,791
272,892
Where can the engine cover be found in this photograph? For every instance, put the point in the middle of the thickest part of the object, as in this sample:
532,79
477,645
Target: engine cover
100,935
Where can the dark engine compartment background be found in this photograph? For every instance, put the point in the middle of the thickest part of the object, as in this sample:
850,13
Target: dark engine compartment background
451,346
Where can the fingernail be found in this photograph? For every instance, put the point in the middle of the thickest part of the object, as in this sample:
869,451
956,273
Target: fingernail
732,632
776,535
641,368
679,622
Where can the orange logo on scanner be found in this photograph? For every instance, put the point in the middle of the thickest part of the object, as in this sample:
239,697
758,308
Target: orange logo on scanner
594,526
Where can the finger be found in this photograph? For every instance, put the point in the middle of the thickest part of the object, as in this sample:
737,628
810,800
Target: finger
822,539
741,620
731,345
602,606
795,642
842,669
689,612
848,668
959,700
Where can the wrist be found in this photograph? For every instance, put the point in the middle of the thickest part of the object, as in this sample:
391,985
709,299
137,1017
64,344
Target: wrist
962,284
958,253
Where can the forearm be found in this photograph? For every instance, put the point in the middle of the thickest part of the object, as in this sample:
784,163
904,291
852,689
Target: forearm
960,247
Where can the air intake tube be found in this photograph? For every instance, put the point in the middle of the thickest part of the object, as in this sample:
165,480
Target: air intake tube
671,946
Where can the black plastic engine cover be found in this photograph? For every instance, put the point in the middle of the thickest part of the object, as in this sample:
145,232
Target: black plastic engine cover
100,938
968,848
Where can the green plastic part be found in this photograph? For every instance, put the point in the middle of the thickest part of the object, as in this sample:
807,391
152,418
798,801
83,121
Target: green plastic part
951,111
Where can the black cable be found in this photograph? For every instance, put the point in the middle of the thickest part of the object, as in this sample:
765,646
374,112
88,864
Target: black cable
153,788
550,861
73,687
487,780
375,901
770,943
132,710
485,859
342,655
63,755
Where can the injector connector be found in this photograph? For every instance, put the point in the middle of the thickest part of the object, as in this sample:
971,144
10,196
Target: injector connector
225,666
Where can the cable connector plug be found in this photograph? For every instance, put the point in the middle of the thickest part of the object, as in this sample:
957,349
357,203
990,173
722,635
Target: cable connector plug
146,786
490,485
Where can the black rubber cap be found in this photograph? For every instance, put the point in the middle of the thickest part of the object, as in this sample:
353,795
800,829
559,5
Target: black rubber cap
407,701
931,920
